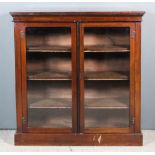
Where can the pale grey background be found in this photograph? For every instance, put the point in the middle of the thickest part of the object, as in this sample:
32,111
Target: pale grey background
7,66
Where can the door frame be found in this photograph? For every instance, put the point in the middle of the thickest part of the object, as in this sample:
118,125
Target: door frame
24,105
131,128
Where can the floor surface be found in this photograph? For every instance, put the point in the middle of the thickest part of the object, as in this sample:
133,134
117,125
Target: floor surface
7,145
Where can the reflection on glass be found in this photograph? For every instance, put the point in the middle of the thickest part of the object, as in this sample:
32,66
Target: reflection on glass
106,68
49,93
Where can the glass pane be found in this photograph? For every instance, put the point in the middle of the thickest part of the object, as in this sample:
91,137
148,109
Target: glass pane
49,92
106,68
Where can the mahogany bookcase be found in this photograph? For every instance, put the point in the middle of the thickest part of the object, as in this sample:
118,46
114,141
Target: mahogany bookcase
78,78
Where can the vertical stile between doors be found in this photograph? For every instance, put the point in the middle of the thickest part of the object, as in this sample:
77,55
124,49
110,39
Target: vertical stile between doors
81,75
74,78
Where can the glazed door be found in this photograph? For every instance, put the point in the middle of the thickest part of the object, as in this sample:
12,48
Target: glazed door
49,77
107,77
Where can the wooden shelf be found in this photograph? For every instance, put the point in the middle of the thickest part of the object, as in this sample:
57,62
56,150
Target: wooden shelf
107,49
106,103
49,75
87,49
108,75
56,75
45,49
90,103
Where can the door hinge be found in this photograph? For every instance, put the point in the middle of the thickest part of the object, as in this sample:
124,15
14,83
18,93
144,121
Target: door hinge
21,34
133,34
132,121
23,120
